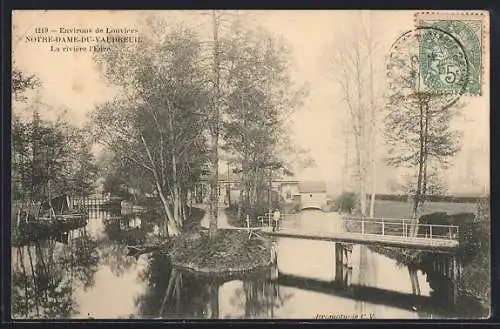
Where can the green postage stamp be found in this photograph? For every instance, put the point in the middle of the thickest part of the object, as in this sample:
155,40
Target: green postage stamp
459,35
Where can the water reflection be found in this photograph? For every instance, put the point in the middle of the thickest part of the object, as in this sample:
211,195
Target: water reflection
45,274
170,293
88,272
179,294
66,276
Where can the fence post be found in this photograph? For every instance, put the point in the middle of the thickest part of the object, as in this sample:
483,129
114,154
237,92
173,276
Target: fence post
383,230
362,226
430,231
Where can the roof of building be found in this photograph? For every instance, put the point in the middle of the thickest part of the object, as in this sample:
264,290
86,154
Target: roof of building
312,187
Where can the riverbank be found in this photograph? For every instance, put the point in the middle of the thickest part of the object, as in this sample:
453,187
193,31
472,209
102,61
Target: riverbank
473,253
471,288
229,251
473,299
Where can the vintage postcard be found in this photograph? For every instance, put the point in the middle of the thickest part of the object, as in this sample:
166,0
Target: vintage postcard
225,164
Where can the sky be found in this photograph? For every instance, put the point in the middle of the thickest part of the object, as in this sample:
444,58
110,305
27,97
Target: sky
71,80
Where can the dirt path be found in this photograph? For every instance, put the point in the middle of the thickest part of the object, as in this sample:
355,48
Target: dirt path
222,220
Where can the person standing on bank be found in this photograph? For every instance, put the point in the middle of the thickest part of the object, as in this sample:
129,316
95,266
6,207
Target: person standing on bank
276,219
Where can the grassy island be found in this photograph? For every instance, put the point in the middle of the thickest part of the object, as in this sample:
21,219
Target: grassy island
229,251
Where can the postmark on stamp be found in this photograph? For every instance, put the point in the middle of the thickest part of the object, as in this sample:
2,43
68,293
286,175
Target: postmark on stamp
443,62
428,65
469,29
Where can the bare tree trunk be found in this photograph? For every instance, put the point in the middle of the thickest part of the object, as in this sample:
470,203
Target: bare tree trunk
215,134
177,206
372,199
240,202
169,219
245,170
372,125
175,175
418,189
361,147
354,62
174,230
426,151
228,186
359,178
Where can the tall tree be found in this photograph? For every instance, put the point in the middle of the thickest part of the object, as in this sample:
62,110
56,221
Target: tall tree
21,82
215,123
417,123
259,98
353,61
50,157
158,121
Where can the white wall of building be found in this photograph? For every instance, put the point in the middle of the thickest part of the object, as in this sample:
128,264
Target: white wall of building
288,190
312,200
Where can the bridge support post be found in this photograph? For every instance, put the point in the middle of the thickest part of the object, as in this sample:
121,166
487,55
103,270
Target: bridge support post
339,262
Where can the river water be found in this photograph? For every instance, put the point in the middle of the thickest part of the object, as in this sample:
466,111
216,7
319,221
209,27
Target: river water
91,276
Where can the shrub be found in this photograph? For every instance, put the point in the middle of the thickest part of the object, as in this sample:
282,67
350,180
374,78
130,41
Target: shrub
476,261
346,201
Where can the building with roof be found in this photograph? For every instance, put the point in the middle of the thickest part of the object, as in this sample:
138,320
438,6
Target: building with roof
308,194
287,189
312,195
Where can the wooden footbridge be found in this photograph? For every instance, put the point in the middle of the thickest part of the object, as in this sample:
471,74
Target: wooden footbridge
381,232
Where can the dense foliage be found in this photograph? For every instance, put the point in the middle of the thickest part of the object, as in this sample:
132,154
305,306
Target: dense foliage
346,202
156,127
259,96
173,92
475,277
48,156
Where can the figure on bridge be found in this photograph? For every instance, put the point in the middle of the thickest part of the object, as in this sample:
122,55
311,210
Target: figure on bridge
276,220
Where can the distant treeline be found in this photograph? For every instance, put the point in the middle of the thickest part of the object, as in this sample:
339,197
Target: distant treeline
431,198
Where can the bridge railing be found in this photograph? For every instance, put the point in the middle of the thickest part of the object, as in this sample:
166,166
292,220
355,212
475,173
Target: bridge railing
91,200
401,227
267,218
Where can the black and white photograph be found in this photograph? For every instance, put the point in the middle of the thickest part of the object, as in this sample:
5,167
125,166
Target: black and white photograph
250,164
